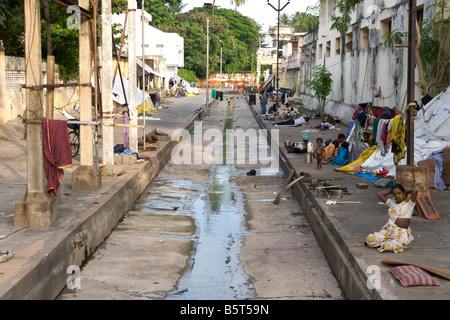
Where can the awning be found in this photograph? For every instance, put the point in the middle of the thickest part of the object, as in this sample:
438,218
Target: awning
267,82
296,66
148,69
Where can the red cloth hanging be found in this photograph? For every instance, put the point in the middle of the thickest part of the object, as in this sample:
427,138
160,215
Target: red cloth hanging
57,152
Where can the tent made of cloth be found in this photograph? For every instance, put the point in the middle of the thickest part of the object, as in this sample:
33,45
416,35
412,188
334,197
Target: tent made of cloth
119,96
431,134
147,68
267,82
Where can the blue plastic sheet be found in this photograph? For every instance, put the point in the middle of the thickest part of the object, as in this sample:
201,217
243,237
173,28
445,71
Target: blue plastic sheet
368,176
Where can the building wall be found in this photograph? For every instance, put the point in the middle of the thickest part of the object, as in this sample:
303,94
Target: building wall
239,78
157,42
359,60
14,99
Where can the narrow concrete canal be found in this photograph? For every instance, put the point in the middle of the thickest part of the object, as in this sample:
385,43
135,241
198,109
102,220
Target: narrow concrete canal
206,227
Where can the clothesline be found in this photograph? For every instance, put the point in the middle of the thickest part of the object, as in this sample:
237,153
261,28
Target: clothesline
372,116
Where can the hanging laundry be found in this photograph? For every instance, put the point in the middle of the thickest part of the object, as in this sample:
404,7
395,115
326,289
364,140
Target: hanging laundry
398,137
439,183
361,117
375,129
57,152
381,136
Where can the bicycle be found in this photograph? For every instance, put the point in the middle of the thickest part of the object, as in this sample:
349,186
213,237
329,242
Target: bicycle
74,138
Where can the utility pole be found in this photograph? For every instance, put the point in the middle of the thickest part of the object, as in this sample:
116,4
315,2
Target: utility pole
106,85
411,81
207,63
132,74
143,68
221,47
278,45
4,114
85,177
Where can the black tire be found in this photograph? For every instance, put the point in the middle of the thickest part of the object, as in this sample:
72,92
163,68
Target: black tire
74,142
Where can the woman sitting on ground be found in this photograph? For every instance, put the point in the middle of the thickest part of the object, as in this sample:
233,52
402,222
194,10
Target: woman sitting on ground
343,155
395,235
331,150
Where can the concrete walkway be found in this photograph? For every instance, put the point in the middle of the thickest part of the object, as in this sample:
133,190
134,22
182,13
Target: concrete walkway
41,257
38,268
342,228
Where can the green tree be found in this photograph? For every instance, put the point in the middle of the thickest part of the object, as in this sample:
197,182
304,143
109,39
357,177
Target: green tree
305,21
320,83
163,11
237,3
64,41
12,27
187,75
175,7
238,34
285,19
433,45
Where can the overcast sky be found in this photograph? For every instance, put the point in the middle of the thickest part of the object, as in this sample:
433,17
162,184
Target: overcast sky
258,10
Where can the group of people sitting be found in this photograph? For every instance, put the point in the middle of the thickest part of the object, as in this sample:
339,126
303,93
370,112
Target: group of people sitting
334,151
337,151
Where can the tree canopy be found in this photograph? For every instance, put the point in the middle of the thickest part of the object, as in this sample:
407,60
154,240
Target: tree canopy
237,33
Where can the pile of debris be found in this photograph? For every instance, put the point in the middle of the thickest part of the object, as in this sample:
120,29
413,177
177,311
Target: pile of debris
153,137
326,189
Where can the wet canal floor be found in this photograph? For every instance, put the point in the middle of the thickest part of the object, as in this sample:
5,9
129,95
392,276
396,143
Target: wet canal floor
209,231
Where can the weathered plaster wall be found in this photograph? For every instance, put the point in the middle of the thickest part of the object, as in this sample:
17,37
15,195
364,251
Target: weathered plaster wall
15,102
358,74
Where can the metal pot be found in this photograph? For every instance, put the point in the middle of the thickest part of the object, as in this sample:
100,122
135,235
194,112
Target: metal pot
299,145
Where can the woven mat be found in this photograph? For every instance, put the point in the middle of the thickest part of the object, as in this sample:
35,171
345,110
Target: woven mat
437,271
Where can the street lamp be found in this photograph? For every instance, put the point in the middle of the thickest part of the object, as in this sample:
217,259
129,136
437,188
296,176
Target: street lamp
207,63
207,5
221,47
143,69
278,43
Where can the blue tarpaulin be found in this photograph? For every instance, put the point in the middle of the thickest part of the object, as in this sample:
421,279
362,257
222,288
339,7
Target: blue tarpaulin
368,176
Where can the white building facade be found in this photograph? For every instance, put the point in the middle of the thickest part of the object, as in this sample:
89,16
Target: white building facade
163,52
360,61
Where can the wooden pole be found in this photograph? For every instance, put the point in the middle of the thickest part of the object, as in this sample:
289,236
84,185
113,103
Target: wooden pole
411,82
49,111
50,65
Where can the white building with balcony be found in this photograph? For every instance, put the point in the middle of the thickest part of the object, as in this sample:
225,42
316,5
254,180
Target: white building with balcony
163,52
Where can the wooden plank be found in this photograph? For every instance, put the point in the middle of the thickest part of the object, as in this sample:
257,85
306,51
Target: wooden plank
277,199
425,206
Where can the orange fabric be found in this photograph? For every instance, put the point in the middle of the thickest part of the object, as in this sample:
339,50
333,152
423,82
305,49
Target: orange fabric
331,151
